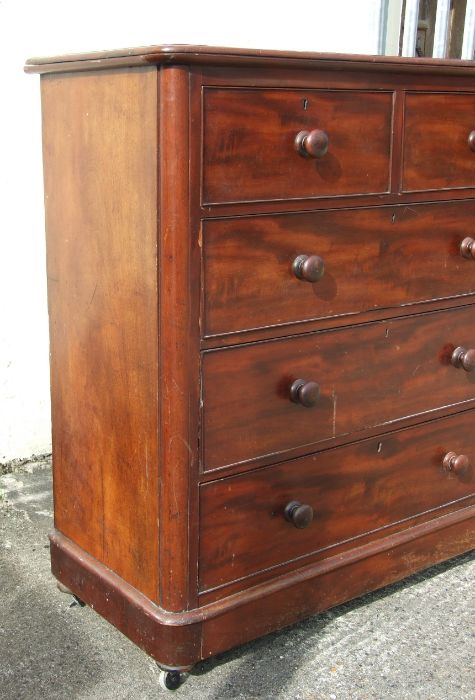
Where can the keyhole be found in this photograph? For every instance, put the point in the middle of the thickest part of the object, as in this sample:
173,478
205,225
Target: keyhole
305,103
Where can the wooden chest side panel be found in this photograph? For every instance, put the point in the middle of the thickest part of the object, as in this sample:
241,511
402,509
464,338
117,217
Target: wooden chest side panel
100,149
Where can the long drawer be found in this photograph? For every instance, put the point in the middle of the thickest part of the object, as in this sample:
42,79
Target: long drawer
250,137
354,378
361,259
352,490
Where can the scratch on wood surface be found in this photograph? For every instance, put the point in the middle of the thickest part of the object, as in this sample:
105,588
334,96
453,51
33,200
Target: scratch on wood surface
174,508
179,390
185,443
93,295
334,412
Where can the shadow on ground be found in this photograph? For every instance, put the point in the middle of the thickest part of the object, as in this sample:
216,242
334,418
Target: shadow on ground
43,654
275,660
414,640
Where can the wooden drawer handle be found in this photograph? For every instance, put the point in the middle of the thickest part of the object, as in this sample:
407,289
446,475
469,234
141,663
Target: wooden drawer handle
309,268
459,464
312,144
305,393
299,514
467,248
463,358
471,140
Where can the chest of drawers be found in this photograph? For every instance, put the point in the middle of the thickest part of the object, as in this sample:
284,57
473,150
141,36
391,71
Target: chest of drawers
261,278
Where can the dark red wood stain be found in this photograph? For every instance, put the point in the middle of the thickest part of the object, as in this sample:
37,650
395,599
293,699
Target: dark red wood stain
99,137
437,153
249,143
353,490
369,375
374,258
181,184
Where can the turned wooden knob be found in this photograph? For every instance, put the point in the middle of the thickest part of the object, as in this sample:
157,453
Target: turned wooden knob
467,248
299,514
471,140
309,268
312,144
463,358
305,393
459,464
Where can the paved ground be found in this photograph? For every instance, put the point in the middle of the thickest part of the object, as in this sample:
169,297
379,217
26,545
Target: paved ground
413,641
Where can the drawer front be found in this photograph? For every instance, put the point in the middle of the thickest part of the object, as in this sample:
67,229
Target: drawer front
439,141
368,376
352,490
373,258
249,151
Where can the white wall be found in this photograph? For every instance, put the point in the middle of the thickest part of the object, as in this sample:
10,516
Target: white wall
32,28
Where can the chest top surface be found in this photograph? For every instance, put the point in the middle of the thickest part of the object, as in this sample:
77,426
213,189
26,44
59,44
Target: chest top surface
211,55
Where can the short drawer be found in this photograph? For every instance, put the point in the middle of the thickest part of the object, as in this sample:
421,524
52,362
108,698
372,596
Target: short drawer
439,141
356,378
361,259
352,491
250,151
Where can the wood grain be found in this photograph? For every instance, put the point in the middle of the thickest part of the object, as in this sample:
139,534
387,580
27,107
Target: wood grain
353,490
249,151
189,54
374,258
176,201
370,375
436,150
338,579
101,206
179,346
172,639
181,639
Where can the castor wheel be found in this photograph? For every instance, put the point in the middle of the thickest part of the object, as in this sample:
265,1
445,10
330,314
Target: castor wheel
171,680
76,600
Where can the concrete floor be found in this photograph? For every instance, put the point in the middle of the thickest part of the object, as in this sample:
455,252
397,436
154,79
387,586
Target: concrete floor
414,640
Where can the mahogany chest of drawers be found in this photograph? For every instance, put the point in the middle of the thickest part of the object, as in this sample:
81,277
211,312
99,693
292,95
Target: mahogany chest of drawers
261,271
